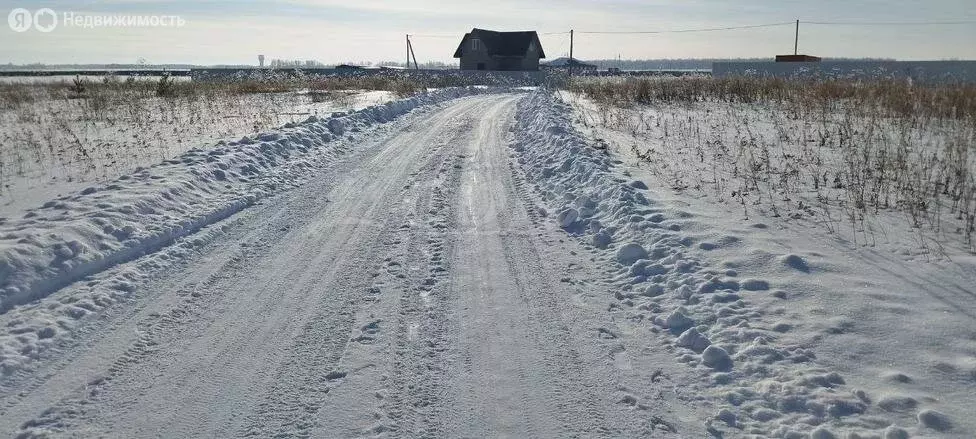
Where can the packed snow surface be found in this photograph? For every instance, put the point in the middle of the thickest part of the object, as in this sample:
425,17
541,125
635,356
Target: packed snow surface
465,263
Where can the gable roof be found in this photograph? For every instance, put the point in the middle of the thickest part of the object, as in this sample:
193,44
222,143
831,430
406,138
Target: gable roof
503,43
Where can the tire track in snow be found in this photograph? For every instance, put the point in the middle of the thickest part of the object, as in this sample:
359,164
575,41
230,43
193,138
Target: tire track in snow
139,326
314,365
206,396
424,323
395,387
364,404
38,337
519,370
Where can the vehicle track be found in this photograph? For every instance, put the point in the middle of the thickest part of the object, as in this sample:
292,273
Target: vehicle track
415,292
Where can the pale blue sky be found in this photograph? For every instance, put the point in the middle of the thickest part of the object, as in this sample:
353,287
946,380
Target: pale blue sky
234,32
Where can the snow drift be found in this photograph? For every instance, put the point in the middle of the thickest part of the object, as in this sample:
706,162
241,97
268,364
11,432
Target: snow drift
760,382
77,235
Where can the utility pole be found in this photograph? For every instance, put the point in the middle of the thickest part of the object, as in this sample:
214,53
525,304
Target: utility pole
571,44
571,31
412,53
796,42
408,51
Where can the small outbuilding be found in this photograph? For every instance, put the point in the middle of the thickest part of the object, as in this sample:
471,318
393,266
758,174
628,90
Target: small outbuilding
502,51
569,64
797,58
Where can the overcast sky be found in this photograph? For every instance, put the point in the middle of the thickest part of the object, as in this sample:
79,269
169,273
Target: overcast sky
331,31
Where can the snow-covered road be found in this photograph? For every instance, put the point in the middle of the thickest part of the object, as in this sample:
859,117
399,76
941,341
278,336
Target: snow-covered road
411,289
463,263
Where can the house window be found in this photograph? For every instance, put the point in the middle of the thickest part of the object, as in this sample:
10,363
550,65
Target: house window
476,44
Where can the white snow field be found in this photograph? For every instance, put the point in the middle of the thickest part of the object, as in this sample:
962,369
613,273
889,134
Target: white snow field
465,263
825,337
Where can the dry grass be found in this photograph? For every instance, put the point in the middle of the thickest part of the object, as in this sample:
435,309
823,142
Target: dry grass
16,95
89,129
845,151
891,98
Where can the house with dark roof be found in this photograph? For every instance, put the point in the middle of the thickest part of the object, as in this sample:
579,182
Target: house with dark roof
506,51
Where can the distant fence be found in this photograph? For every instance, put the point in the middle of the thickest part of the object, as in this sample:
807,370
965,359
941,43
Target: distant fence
938,72
443,78
647,73
95,72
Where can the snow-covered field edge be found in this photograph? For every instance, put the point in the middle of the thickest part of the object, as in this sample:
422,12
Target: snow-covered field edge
74,237
742,362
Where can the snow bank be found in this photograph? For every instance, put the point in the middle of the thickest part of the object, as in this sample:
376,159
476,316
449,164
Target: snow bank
760,383
76,236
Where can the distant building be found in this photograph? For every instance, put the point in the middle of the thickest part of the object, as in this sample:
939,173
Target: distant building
505,51
797,58
569,64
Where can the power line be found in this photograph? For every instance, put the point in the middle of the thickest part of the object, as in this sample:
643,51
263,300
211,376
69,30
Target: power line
712,29
889,23
732,28
754,26
433,36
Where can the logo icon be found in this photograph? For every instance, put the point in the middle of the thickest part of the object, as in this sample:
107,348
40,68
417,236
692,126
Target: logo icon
21,20
48,24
